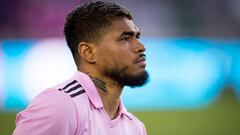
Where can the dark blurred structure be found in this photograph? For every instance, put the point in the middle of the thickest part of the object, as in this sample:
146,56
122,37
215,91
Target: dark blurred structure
156,18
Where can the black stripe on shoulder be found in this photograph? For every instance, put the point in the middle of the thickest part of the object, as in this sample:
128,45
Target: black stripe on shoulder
71,83
73,88
77,93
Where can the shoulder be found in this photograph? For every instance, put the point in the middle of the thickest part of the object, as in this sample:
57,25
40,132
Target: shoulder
53,100
51,104
51,110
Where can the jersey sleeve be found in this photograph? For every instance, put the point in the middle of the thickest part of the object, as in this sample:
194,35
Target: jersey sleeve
50,113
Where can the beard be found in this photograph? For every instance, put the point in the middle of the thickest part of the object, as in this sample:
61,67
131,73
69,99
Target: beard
126,79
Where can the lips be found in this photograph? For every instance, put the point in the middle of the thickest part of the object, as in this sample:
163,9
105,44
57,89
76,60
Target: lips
141,60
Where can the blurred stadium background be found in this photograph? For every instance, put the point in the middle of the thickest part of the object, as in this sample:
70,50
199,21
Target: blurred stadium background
193,54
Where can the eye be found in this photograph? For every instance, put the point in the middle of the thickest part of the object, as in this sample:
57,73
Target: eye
126,38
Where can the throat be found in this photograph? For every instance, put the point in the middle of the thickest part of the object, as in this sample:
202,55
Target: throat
109,94
111,106
112,112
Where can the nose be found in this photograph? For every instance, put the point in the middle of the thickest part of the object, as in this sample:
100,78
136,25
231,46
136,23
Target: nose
139,47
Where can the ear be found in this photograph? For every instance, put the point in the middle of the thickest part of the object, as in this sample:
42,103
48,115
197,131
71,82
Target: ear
87,52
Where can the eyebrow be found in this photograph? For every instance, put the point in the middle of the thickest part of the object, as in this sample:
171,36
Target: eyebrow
129,33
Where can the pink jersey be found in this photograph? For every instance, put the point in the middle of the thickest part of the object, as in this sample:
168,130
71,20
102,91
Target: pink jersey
74,108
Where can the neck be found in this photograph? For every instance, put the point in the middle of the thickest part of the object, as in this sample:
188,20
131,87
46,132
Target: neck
110,99
109,91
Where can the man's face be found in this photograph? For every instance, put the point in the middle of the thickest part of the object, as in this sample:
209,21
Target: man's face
120,55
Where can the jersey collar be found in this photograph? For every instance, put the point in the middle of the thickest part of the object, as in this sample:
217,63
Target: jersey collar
90,88
93,94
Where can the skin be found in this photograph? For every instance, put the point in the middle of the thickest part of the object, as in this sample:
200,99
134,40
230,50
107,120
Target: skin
119,47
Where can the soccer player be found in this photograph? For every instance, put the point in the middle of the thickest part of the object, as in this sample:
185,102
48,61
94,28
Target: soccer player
105,45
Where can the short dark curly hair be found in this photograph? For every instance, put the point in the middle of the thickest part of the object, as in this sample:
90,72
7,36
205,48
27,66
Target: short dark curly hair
86,22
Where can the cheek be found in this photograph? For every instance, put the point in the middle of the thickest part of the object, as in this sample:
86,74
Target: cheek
106,60
114,62
115,57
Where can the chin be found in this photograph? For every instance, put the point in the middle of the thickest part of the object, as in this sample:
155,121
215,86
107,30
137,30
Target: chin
128,78
137,80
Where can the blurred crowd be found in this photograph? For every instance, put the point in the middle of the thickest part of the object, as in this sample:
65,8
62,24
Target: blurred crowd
156,18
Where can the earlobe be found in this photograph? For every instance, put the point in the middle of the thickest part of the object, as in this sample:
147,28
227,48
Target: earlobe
87,52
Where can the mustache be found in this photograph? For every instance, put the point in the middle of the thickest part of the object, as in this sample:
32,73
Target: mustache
142,55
